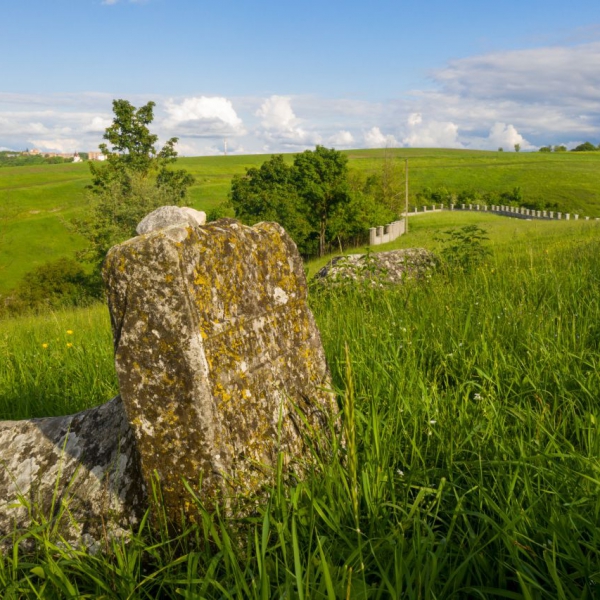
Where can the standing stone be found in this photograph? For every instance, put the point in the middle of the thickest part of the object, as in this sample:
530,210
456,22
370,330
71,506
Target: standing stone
219,360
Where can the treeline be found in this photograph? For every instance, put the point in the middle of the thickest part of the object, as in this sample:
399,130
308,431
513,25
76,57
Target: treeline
317,199
13,159
585,147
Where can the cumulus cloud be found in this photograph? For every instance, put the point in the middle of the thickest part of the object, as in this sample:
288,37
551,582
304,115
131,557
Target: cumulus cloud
531,75
98,124
431,134
546,94
341,139
65,145
375,139
203,117
506,136
281,127
532,97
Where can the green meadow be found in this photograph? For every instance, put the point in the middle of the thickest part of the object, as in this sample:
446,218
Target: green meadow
467,465
38,202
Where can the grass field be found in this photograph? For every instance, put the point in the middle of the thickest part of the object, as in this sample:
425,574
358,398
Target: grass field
36,203
472,430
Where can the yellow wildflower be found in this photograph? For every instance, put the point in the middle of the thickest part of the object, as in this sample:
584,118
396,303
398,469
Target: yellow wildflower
69,332
69,345
44,345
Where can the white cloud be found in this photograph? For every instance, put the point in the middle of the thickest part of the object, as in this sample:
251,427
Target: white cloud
98,124
532,97
431,134
341,139
281,127
415,119
506,136
375,139
276,113
532,75
57,144
203,117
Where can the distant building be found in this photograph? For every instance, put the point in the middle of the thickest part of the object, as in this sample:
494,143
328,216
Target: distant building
96,156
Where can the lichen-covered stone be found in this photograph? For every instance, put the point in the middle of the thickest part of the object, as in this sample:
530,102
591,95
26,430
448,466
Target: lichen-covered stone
167,216
378,268
219,360
82,469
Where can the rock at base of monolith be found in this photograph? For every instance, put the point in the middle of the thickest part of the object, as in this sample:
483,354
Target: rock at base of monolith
220,364
167,216
379,268
80,473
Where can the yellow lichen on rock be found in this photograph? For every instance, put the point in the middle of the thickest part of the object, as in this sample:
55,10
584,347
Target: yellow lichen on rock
234,353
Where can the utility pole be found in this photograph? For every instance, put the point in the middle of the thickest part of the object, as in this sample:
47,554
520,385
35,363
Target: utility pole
225,146
406,195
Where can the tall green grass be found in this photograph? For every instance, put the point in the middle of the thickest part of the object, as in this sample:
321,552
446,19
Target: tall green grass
468,464
56,364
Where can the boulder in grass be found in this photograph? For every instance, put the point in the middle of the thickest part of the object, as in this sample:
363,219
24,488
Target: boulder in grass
392,267
219,360
79,473
221,373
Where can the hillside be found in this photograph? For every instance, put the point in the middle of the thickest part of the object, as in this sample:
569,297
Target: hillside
37,202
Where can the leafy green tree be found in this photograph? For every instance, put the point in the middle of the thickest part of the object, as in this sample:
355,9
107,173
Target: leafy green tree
321,178
269,193
134,179
517,147
545,149
585,147
56,284
316,199
560,148
387,185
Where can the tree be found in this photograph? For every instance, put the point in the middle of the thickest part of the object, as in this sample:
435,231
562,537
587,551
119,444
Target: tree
269,193
132,181
321,178
517,147
387,185
585,147
316,199
560,148
545,149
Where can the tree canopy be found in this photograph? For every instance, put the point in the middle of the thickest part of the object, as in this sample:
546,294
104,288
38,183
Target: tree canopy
585,147
315,199
134,179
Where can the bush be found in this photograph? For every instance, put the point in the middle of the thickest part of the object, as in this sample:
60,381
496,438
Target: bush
463,248
57,284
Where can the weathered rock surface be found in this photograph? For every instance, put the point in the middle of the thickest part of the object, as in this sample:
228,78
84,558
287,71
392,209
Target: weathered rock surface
219,360
381,267
221,368
82,469
167,216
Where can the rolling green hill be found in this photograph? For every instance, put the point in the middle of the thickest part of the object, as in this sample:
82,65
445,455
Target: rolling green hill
37,202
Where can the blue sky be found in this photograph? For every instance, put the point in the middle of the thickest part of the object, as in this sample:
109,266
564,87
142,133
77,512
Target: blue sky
282,76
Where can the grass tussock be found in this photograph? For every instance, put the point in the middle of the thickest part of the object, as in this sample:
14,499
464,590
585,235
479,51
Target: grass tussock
469,465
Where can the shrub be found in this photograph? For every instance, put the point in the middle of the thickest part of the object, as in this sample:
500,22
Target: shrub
56,284
464,248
